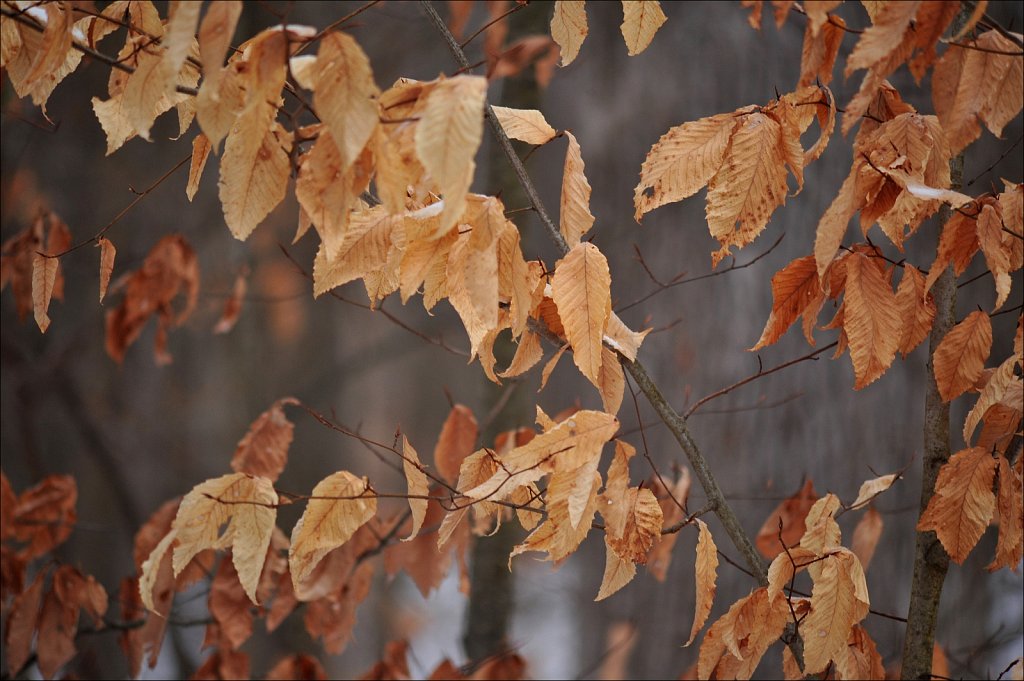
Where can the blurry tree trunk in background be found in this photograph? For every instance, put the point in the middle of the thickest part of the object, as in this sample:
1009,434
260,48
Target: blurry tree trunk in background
931,562
491,597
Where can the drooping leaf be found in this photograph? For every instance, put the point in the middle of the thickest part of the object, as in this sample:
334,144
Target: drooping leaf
997,389
581,289
792,512
866,535
417,484
642,527
448,136
253,173
369,239
833,615
871,322
916,307
796,290
44,275
21,624
706,570
263,450
1010,547
569,28
341,503
245,506
640,21
575,218
618,572
200,152
960,357
963,502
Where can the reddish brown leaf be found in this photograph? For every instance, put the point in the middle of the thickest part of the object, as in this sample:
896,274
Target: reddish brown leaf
297,668
796,290
21,625
456,441
963,502
792,512
45,515
263,450
960,357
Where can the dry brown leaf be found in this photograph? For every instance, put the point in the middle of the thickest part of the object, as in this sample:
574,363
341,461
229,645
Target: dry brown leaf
557,535
997,389
456,442
682,161
866,535
833,615
44,275
997,251
871,321
200,152
960,357
447,138
528,353
297,667
870,489
417,484
575,216
820,49
229,607
371,237
215,34
611,381
581,289
525,125
792,512
253,172
263,450
45,515
860,658
612,507
641,19
569,28
223,664
1010,547
21,624
706,571
623,339
796,290
341,503
107,254
642,527
749,186
785,566
963,502
916,307
233,305
245,506
566,447
618,572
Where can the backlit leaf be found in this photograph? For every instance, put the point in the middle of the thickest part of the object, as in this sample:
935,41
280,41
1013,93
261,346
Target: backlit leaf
641,19
575,219
418,486
569,28
525,125
341,503
581,289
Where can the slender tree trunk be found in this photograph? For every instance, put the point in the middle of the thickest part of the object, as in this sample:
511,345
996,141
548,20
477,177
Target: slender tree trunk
930,559
491,597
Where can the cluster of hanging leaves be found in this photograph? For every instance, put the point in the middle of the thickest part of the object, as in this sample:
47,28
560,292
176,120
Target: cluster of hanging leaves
44,611
641,19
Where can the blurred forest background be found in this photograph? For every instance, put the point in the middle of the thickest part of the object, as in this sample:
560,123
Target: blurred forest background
138,434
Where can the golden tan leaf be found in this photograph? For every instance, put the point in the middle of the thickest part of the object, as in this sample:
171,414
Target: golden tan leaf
611,382
329,194
883,37
672,502
817,12
617,572
960,357
833,615
179,35
750,185
44,275
785,566
418,485
792,512
963,502
860,658
245,506
567,446
871,321
345,95
997,389
996,250
1009,548
426,262
569,28
263,450
795,291
448,136
822,532
519,282
525,125
107,254
550,365
253,172
820,49
870,489
930,23
476,469
575,218
339,505
643,525
613,508
916,307
706,571
364,249
640,21
456,441
200,152
972,84
866,535
957,245
145,88
739,639
215,34
623,339
52,47
581,289
833,224
556,535
682,161
472,282
528,353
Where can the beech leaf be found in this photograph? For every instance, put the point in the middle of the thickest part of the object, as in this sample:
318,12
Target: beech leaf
581,289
